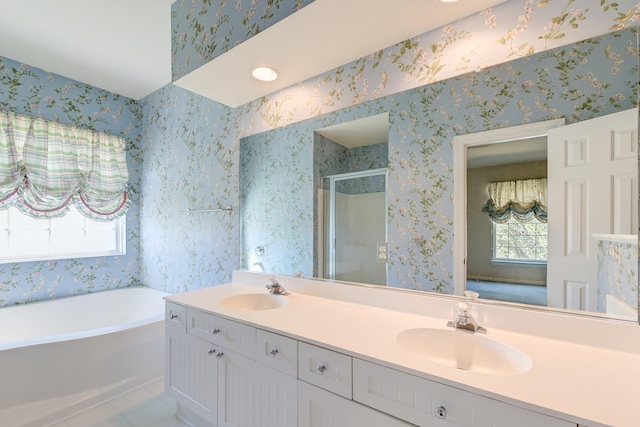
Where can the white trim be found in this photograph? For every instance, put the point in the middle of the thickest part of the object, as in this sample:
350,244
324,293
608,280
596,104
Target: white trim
460,145
518,262
631,239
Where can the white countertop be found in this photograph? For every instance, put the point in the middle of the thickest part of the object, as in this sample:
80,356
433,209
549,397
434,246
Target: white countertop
570,378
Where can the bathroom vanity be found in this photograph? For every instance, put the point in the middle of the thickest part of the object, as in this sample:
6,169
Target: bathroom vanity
339,355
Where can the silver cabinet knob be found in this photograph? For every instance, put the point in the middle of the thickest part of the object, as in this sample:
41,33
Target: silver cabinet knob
440,412
211,351
320,369
273,352
173,316
215,331
219,354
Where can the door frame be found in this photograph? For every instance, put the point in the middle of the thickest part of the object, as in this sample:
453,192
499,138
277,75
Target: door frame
460,145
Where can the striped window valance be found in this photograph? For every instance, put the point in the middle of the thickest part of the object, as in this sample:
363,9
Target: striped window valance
46,165
522,199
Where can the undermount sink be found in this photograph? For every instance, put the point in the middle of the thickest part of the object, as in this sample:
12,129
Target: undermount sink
464,350
253,302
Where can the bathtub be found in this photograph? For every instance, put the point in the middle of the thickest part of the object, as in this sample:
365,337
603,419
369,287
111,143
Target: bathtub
62,356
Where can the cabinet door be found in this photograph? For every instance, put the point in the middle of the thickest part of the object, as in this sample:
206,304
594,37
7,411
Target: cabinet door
253,395
320,408
191,371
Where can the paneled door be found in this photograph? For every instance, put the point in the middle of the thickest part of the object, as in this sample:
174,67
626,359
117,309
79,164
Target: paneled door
593,166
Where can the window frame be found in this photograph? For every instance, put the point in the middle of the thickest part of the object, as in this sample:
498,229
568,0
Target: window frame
512,261
120,243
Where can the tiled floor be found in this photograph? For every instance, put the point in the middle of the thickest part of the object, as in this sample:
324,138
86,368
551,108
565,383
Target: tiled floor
145,407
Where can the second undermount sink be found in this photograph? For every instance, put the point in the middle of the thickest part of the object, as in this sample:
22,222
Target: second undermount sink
253,302
463,350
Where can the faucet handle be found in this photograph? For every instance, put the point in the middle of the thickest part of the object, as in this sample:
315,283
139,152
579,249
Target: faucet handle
463,309
471,295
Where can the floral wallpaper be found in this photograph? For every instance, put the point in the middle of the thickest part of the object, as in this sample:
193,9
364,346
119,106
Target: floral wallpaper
204,29
31,91
189,162
617,272
510,30
276,205
184,150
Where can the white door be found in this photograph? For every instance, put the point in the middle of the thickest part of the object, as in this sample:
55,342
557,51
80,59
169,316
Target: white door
593,189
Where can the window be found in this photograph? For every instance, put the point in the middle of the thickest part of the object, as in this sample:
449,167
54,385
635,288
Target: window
23,238
516,241
63,190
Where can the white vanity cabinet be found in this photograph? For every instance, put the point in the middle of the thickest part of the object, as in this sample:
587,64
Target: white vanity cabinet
225,373
215,375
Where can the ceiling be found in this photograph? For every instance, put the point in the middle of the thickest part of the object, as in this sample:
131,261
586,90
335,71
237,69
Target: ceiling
328,34
124,46
507,153
359,133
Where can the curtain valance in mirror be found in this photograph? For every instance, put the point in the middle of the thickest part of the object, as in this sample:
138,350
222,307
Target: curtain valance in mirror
524,199
46,165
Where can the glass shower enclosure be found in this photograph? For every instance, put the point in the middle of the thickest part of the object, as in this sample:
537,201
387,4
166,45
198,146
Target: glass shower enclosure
355,227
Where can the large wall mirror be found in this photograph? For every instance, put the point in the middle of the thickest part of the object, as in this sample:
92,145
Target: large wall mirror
438,239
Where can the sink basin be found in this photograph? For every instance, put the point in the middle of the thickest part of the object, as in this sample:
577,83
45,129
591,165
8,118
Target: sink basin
464,350
253,302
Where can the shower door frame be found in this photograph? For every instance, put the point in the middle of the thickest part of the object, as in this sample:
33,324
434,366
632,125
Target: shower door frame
330,271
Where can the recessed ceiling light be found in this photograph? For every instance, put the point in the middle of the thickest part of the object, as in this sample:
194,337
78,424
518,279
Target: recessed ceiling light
266,74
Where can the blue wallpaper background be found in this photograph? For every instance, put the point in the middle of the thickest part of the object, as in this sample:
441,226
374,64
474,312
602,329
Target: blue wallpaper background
183,149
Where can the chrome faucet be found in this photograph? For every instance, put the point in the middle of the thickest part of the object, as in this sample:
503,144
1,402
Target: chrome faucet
276,288
464,320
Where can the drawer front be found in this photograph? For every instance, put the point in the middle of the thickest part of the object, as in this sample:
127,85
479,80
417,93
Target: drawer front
426,403
319,408
175,317
226,333
325,368
278,352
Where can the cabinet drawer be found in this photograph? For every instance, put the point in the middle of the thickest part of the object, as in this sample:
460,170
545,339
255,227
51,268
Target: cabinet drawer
325,368
319,408
417,400
278,352
226,333
175,317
